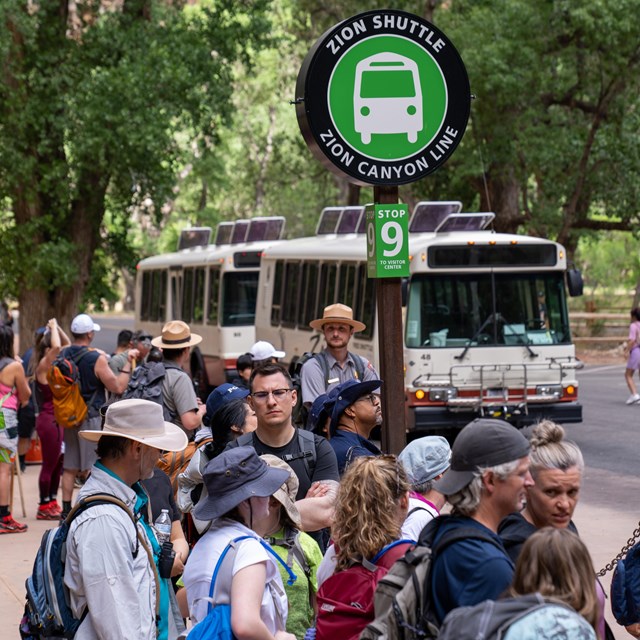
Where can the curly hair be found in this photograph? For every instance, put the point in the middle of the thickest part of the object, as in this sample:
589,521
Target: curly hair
557,564
549,449
366,509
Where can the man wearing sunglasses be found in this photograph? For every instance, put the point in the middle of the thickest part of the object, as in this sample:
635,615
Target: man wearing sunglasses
355,414
310,456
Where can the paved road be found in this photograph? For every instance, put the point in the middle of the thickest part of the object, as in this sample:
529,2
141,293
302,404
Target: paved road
608,512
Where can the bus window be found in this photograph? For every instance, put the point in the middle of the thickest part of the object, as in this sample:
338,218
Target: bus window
309,295
187,295
328,273
162,304
290,301
145,295
198,296
214,288
367,310
154,296
276,305
239,292
176,295
346,288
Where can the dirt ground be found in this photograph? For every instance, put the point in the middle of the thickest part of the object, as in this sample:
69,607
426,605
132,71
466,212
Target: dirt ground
601,356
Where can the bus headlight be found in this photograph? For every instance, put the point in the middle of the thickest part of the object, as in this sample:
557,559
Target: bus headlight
550,390
442,394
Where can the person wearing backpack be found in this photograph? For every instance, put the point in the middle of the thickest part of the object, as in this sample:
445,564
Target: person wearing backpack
227,417
178,394
487,480
239,485
14,392
310,456
297,549
113,555
335,363
372,504
552,596
46,350
94,377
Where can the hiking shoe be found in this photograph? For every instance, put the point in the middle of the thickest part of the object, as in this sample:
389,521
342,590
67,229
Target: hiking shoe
633,399
9,525
47,511
55,507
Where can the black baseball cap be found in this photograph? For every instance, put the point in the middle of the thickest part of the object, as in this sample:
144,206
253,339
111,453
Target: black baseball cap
485,442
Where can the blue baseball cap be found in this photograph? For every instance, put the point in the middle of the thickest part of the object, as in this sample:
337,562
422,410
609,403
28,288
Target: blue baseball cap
346,393
319,411
220,396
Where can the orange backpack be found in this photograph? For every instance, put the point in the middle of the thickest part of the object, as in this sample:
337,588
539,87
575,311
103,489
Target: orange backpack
69,407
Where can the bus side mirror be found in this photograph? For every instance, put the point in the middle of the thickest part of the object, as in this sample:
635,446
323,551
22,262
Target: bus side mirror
405,290
575,283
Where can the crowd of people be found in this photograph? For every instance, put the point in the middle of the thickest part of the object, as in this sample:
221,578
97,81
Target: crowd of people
283,516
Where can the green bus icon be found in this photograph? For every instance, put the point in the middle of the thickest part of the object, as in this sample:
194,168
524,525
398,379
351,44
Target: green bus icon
387,97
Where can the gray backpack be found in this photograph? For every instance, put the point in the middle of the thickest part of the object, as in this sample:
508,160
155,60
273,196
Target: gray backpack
532,615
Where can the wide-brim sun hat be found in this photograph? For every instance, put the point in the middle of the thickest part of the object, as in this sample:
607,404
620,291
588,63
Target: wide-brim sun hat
176,335
263,350
234,476
286,494
485,442
142,421
345,394
340,314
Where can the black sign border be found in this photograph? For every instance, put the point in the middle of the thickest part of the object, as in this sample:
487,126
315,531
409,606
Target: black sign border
312,109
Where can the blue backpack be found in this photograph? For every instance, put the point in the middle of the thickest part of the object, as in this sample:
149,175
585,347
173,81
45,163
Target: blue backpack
625,588
47,613
217,624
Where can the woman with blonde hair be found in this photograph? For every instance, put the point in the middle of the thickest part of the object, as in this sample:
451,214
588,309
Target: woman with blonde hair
371,506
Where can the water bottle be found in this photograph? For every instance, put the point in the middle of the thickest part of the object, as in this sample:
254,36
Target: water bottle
162,525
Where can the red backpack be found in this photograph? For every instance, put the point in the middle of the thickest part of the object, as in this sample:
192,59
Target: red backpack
345,600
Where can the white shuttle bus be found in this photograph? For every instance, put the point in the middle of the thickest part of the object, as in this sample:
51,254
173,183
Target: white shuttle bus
486,327
213,288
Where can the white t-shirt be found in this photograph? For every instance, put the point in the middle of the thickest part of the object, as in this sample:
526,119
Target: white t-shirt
424,513
202,562
328,565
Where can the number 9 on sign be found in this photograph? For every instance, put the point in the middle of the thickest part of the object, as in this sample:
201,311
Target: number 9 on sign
391,234
371,238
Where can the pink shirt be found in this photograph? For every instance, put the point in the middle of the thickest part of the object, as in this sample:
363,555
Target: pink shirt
12,401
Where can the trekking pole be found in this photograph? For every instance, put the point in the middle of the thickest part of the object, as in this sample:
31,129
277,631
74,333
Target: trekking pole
16,463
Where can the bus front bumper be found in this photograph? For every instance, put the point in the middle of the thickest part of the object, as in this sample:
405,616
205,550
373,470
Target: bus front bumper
437,420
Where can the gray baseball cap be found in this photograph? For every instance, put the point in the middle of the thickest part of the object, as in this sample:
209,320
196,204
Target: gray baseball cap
485,442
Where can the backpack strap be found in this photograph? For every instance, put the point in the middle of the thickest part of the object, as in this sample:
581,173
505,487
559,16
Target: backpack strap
321,357
81,353
104,498
360,366
307,444
417,509
372,564
5,362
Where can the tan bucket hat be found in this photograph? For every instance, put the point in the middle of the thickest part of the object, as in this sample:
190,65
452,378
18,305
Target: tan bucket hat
337,313
286,494
142,421
176,335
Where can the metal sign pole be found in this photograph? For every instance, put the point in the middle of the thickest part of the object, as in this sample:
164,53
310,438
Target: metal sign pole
390,344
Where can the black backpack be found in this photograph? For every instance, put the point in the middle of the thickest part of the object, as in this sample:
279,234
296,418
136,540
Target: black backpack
300,412
146,384
403,602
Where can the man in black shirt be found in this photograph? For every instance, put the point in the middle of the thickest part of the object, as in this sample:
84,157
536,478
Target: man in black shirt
310,456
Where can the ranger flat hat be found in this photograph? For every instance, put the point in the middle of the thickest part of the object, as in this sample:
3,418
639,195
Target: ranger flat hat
338,313
176,335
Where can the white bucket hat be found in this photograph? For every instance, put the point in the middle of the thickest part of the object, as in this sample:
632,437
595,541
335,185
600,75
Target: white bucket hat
142,421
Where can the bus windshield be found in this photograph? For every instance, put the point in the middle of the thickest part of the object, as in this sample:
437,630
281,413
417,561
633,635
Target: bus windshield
387,84
239,292
487,309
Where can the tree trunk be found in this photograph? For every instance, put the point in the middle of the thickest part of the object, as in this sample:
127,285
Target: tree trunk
502,197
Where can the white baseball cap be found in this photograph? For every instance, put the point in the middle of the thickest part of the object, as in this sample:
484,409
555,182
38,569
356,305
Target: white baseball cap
83,323
263,350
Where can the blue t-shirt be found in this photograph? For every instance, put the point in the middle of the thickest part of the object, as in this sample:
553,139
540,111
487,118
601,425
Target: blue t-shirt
349,446
469,571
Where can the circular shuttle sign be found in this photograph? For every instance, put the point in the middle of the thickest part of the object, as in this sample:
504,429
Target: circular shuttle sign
383,98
